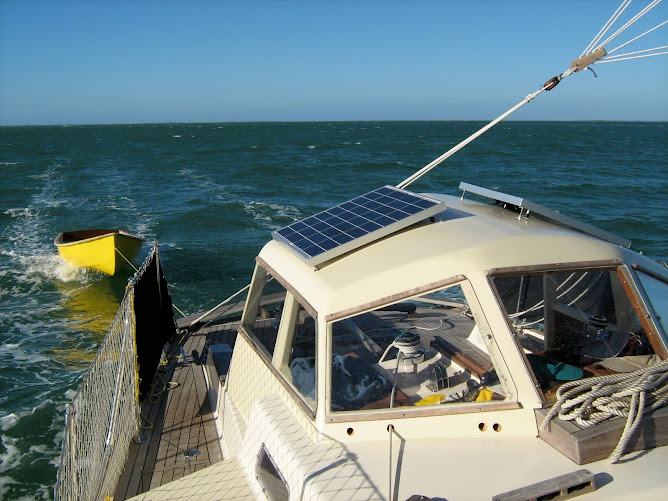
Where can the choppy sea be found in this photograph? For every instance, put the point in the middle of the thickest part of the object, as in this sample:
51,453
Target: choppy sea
210,195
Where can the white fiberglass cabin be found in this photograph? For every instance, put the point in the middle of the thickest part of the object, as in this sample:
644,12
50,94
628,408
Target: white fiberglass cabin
388,351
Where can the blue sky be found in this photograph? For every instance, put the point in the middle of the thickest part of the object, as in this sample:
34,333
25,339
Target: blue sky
69,62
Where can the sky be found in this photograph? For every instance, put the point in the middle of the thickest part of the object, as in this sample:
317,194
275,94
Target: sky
94,62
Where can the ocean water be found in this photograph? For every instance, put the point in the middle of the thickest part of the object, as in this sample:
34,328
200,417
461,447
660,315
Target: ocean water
210,195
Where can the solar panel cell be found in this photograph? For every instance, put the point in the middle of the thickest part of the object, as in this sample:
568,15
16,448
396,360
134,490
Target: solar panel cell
356,222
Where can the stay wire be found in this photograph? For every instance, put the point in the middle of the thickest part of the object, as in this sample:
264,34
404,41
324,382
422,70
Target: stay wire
606,27
554,81
620,58
550,84
629,23
636,38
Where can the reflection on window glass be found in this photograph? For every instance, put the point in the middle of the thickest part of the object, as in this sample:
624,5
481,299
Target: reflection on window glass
574,324
301,366
270,478
423,351
657,292
263,311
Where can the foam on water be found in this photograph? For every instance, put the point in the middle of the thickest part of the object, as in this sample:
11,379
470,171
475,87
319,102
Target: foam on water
6,422
5,483
10,456
11,420
276,214
52,267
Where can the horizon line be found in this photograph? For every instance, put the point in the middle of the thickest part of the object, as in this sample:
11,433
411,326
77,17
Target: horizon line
322,121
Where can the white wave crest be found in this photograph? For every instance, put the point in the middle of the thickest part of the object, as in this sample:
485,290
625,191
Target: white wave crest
19,212
11,458
18,354
270,212
10,420
52,266
7,422
5,482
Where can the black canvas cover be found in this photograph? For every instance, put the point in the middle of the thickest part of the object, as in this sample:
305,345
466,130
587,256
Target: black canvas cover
155,321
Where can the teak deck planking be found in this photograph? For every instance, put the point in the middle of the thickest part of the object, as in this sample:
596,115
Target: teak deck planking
180,421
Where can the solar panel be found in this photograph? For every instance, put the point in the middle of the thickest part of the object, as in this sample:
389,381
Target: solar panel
357,222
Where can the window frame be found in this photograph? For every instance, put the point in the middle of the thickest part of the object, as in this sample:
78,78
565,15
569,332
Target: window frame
647,311
510,403
262,270
627,280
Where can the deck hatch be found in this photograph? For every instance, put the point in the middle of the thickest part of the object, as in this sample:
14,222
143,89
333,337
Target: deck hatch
565,486
357,222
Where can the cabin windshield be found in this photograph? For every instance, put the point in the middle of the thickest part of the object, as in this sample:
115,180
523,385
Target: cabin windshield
284,331
424,351
264,309
657,293
574,324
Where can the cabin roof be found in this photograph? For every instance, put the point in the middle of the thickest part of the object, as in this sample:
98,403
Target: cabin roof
471,238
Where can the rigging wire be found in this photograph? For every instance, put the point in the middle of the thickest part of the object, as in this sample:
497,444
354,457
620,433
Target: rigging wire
222,303
549,85
636,38
610,55
595,53
606,27
630,55
629,23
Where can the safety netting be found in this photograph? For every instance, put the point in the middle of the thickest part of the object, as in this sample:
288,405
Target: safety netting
104,416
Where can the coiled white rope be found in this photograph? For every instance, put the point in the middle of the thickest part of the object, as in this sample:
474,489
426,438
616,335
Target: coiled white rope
593,400
407,343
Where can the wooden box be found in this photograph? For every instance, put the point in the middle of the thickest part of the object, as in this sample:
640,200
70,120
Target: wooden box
586,445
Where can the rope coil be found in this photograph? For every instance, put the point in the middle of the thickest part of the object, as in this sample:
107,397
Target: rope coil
593,400
407,343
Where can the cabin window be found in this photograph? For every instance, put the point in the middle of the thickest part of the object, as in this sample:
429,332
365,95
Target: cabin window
270,477
298,362
574,324
424,351
284,331
657,293
263,311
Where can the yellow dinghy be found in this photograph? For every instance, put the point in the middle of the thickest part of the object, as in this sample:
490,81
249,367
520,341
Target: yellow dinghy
102,250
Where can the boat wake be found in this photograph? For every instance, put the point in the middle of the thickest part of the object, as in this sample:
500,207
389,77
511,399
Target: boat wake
36,268
274,214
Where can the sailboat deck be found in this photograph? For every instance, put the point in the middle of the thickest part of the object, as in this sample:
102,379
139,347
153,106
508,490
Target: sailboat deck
178,435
